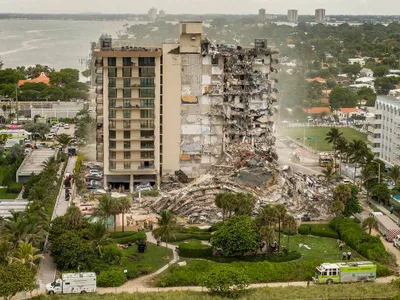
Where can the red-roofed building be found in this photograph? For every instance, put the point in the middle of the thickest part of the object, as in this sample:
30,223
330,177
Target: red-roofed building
348,112
41,79
318,79
317,110
326,92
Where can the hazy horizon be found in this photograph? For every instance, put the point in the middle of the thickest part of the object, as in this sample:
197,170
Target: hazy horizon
305,7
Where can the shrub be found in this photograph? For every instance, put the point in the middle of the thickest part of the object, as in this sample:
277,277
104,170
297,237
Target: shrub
215,226
131,238
115,235
365,244
226,282
203,236
137,270
111,278
14,188
323,230
151,193
382,271
111,254
194,250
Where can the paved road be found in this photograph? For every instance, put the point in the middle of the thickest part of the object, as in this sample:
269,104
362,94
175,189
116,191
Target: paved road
47,270
69,131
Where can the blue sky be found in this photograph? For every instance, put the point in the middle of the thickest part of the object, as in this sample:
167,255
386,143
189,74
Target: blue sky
382,7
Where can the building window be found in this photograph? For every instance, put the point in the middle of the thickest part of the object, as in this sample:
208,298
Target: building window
127,155
148,113
127,145
113,144
127,93
127,134
146,134
147,124
112,82
112,134
147,154
127,82
127,124
113,113
146,82
146,93
112,93
126,61
145,103
113,165
147,61
147,145
126,72
127,103
127,113
113,102
112,61
113,155
112,72
146,72
112,124
127,165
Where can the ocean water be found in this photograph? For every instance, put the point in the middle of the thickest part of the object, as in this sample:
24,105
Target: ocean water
59,44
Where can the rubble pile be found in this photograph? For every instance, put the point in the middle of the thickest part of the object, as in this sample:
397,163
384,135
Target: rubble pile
244,170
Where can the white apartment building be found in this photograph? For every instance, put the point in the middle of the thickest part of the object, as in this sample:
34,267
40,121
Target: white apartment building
384,129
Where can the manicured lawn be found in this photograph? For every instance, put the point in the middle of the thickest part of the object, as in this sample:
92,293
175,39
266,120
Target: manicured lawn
321,248
319,133
344,291
5,195
155,256
2,172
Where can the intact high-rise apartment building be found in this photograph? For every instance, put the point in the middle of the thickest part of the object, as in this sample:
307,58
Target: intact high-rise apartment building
179,107
320,15
292,16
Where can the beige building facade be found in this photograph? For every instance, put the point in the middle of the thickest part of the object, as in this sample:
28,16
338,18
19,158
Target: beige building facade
203,97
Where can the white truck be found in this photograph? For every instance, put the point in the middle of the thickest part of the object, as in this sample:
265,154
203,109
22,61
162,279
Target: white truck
386,226
73,283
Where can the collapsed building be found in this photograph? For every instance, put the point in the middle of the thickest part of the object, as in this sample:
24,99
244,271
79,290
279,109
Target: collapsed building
200,110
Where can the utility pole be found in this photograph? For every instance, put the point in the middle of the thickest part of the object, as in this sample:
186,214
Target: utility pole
16,101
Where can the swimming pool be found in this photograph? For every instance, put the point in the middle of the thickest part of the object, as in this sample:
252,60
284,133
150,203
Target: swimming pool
397,197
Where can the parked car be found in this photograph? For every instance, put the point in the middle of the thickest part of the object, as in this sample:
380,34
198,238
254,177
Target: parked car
66,126
144,187
49,136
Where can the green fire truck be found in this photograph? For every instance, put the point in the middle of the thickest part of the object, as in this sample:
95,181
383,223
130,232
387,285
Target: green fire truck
343,272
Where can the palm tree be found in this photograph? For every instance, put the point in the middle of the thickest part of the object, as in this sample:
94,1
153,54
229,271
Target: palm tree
267,217
74,217
104,208
358,152
126,204
342,147
280,215
63,139
267,234
98,234
331,137
26,254
50,165
336,208
367,174
342,193
395,174
370,223
289,223
6,251
115,211
167,226
328,173
16,228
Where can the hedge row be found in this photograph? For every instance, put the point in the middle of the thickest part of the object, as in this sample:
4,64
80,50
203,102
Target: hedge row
257,272
365,244
193,250
323,230
120,234
131,238
203,236
14,188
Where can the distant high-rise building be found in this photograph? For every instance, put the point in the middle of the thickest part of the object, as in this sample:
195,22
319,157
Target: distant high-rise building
320,15
161,14
292,15
261,14
152,14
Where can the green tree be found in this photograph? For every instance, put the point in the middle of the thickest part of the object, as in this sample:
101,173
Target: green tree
27,255
267,217
342,97
358,151
64,139
105,208
352,70
237,235
332,137
352,206
226,202
342,147
125,204
280,215
367,94
394,174
244,204
219,22
16,278
370,223
328,174
342,193
64,76
225,282
166,226
381,192
37,129
98,235
115,211
10,76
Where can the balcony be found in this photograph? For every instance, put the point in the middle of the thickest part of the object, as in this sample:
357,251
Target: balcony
137,159
132,138
374,130
374,140
99,99
99,90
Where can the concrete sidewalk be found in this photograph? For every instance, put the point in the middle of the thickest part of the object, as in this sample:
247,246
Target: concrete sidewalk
385,211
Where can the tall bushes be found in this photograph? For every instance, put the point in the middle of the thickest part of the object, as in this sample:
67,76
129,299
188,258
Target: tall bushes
365,244
318,230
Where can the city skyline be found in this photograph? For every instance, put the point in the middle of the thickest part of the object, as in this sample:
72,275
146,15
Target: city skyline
358,7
